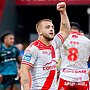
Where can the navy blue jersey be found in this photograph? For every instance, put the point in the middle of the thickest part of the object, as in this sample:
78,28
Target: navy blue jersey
8,60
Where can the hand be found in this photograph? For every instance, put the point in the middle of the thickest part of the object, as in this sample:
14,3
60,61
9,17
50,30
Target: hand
19,73
1,78
61,6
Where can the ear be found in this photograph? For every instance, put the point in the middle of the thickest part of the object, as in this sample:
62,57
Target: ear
40,33
5,39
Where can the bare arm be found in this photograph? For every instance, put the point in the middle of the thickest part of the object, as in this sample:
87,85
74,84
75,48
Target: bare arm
1,78
65,24
19,59
25,77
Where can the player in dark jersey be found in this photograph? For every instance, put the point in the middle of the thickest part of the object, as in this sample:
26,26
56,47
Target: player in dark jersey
9,56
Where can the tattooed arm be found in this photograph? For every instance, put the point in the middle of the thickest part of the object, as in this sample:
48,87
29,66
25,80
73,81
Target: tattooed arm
25,77
65,24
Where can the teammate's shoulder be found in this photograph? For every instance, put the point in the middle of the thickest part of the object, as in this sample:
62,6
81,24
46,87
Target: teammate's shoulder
86,38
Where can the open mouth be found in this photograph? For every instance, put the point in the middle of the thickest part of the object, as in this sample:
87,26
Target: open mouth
51,33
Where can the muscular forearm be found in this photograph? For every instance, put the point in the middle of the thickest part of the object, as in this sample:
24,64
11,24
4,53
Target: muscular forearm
65,24
25,79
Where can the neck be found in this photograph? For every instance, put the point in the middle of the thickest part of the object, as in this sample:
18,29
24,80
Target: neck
7,46
74,31
45,41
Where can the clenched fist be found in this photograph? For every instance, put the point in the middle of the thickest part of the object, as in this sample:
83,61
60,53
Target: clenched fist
61,6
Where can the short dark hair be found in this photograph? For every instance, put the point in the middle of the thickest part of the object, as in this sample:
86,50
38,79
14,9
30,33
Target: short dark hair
4,35
75,25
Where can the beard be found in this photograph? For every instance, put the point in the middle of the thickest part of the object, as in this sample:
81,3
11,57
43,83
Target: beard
47,37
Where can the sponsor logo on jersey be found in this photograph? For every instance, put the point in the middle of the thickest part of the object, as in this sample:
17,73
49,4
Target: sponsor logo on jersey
74,71
3,54
74,42
46,52
27,57
74,36
50,65
9,52
11,59
73,83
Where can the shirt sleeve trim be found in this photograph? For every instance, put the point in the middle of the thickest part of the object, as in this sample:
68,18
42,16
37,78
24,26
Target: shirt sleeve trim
62,39
27,63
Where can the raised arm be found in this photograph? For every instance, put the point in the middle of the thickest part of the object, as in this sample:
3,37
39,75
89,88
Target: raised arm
65,24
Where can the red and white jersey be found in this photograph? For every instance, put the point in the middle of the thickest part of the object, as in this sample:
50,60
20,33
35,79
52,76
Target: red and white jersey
74,55
42,60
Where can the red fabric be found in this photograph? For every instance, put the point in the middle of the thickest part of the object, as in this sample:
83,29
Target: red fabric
2,4
67,85
49,80
51,2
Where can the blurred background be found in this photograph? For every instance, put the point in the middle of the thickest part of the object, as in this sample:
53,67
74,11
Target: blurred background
21,16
